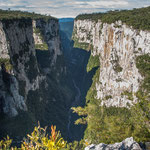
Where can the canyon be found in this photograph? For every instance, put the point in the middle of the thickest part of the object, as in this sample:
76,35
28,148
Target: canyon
33,73
103,74
40,82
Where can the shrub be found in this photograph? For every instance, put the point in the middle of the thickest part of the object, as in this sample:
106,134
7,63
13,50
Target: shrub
7,64
38,140
5,144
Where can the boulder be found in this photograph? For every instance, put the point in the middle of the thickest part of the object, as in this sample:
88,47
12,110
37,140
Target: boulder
127,144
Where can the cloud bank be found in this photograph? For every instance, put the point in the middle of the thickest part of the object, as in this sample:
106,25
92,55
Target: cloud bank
71,8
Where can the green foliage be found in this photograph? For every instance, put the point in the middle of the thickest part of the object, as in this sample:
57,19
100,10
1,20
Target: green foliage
90,97
141,111
7,14
76,145
43,46
85,46
117,68
7,63
110,125
82,121
81,112
140,49
79,44
93,62
143,65
38,140
128,94
119,80
137,18
36,30
108,97
6,143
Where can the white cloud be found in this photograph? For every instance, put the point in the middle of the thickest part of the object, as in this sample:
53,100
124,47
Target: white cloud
71,8
7,5
108,4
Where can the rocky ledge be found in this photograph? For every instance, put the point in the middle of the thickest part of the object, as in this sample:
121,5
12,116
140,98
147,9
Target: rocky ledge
127,144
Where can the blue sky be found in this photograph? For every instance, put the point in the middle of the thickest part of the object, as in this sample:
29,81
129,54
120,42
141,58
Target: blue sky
71,8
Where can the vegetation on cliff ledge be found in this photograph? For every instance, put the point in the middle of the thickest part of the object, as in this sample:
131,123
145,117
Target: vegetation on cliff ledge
93,62
137,18
110,125
7,63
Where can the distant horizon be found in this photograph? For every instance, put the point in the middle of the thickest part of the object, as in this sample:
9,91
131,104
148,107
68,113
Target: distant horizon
71,9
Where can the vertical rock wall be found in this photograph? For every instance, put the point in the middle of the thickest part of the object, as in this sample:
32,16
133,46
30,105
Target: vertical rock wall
17,42
117,46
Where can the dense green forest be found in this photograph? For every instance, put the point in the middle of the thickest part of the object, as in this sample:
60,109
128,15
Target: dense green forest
8,14
110,125
137,18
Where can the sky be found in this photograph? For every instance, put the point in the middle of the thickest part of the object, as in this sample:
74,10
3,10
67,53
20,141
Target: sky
71,8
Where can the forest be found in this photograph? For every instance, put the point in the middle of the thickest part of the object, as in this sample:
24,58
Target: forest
137,18
16,14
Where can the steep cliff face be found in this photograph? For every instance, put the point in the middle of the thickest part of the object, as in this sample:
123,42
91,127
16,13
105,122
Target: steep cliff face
4,45
46,35
25,75
31,76
117,103
17,45
117,46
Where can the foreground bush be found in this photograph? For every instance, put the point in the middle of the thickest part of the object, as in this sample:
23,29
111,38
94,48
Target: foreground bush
38,140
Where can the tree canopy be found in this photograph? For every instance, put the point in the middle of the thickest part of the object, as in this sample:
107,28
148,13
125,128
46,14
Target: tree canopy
137,18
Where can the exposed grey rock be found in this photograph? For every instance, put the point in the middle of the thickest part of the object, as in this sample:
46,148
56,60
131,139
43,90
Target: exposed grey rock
127,144
116,44
3,43
17,43
10,97
49,34
147,144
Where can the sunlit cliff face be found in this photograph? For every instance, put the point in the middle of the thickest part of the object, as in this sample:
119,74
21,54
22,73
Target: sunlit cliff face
117,46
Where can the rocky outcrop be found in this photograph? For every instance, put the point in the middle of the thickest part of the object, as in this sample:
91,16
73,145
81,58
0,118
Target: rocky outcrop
117,46
127,144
